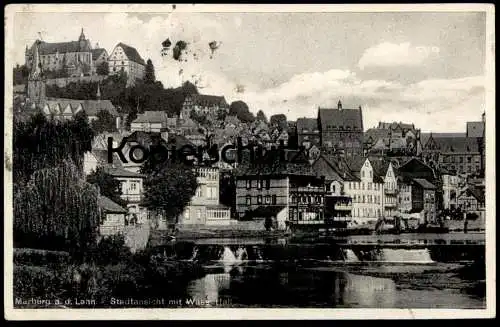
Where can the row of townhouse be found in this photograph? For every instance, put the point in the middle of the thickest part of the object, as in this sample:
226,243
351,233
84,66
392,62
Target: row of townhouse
355,190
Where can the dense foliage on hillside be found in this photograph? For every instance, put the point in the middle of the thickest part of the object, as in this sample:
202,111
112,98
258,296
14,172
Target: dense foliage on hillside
146,95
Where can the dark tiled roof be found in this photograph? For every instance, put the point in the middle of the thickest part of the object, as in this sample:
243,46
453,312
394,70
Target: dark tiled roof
208,100
424,137
395,125
376,133
62,47
131,53
97,52
109,206
457,144
91,107
477,194
324,167
475,129
309,124
152,117
380,167
345,118
424,183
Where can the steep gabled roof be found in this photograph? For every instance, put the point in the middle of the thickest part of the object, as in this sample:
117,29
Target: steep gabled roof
131,53
424,137
109,206
96,53
341,118
62,47
151,117
309,124
477,194
91,107
457,144
324,167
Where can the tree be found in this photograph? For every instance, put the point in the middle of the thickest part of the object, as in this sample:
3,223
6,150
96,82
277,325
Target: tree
41,143
56,210
149,75
279,120
103,69
107,185
21,74
261,116
241,110
105,122
168,189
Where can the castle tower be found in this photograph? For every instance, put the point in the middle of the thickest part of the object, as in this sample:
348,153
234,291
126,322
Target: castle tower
36,81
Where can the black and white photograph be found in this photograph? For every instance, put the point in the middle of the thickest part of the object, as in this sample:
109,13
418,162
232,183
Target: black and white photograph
231,157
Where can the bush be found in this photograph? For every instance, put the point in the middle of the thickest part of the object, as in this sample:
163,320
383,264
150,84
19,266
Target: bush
40,257
112,250
37,281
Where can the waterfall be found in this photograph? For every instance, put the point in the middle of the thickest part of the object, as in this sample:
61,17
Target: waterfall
258,253
228,256
241,254
350,256
407,256
195,254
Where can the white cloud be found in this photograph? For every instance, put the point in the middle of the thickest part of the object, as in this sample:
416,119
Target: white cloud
439,105
390,55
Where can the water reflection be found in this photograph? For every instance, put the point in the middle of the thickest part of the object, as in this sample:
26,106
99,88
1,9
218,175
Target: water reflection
266,286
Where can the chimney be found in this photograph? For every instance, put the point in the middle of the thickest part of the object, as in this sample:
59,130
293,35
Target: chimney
339,105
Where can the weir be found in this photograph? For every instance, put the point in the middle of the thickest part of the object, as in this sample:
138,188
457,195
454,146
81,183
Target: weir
235,254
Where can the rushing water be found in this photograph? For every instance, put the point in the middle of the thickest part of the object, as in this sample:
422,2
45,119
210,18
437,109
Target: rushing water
254,276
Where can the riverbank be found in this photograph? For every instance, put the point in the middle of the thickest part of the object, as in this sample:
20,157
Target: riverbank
48,279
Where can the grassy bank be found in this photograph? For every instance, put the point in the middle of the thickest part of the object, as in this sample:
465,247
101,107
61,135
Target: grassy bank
47,279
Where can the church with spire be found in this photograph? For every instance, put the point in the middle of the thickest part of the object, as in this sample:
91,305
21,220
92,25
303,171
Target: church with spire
62,108
70,59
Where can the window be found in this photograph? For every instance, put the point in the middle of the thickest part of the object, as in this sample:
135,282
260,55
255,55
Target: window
460,159
249,184
199,192
333,188
469,159
248,200
371,175
268,184
273,199
268,199
186,214
364,199
133,186
259,199
369,186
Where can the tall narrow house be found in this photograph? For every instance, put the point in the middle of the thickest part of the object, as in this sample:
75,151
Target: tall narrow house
341,129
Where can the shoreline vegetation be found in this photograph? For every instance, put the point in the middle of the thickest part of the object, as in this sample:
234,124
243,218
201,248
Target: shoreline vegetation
54,279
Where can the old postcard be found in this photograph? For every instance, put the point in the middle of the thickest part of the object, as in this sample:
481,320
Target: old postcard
253,161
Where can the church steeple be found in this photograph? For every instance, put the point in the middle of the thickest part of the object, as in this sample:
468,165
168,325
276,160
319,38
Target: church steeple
36,66
82,36
36,80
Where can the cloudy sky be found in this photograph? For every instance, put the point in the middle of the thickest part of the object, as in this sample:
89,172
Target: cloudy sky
425,68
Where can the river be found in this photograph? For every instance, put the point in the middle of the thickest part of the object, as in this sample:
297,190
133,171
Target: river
243,273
